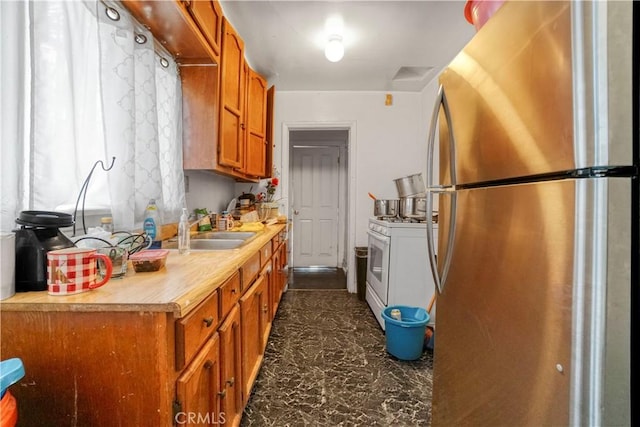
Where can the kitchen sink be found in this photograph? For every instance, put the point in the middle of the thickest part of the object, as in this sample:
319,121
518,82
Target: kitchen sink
227,235
215,240
208,244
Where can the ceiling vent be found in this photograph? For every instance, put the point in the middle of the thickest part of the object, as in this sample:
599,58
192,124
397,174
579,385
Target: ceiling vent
412,73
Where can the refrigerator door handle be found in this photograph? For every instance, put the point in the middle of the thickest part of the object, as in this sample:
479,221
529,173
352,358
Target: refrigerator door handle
439,278
441,101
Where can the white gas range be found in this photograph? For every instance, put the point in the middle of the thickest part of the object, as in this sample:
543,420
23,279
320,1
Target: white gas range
398,271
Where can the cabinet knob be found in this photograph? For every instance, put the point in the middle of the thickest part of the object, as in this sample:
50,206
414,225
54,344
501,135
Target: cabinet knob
208,364
208,321
234,290
231,381
264,309
222,393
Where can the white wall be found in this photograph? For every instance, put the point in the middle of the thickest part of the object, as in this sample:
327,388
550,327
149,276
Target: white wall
209,190
387,142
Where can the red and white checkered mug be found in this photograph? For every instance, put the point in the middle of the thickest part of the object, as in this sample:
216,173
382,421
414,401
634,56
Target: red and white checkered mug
74,270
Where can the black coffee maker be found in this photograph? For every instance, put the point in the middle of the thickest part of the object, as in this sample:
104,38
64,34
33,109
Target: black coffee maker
38,235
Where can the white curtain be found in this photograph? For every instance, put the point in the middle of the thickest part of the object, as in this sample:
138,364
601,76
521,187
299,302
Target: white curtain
96,94
14,110
142,114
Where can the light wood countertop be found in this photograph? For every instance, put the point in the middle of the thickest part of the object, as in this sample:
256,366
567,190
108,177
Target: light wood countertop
181,285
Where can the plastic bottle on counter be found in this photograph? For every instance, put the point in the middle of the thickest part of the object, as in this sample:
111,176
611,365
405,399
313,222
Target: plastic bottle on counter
152,224
106,222
184,238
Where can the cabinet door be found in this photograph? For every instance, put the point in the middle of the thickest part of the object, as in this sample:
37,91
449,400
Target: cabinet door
232,98
200,100
265,307
270,145
251,305
282,269
275,283
197,389
231,367
208,17
256,110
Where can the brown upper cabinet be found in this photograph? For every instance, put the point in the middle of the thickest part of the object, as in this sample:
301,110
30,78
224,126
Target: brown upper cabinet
174,26
227,109
208,16
256,119
232,99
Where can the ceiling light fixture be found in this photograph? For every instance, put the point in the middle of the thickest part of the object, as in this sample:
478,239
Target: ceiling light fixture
334,49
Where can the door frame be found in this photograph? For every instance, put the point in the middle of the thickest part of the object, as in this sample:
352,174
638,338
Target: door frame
350,127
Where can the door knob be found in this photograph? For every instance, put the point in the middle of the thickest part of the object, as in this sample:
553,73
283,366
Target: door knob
296,212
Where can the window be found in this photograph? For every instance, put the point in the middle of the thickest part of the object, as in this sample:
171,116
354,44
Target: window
87,88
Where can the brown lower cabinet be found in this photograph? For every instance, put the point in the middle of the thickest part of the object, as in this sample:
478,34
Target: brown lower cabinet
139,368
198,387
232,402
252,305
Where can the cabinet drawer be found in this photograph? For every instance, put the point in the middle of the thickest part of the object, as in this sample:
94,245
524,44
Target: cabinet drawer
265,254
229,294
194,329
250,270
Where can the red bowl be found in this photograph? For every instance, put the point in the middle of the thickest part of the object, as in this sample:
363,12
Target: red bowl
478,12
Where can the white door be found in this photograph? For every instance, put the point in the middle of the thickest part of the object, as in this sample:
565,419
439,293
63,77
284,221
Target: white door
315,206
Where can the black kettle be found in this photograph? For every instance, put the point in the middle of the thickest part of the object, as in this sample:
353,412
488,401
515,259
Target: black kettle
38,235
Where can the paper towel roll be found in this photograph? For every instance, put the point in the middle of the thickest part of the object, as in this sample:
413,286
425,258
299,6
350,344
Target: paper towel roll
7,265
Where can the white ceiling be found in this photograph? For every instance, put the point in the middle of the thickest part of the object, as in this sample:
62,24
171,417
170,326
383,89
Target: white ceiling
284,41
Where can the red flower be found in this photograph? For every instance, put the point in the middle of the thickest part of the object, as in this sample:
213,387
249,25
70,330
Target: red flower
274,181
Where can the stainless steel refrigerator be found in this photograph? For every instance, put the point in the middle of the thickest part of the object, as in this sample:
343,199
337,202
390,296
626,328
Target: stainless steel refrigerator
536,131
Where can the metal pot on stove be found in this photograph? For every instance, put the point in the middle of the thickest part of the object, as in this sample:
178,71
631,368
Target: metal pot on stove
38,235
385,208
411,186
413,207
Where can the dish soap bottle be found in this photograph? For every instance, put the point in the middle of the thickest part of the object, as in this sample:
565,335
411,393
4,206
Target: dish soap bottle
183,233
152,224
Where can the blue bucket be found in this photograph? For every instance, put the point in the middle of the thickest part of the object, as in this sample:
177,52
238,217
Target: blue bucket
405,337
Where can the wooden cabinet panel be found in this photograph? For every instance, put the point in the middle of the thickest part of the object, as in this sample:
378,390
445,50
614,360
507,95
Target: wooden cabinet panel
251,305
265,254
270,142
232,98
194,329
275,283
256,119
197,389
172,25
250,270
230,293
266,304
208,16
91,368
232,403
200,98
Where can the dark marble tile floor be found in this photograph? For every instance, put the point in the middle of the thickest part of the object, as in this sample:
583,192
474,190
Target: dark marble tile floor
326,365
317,278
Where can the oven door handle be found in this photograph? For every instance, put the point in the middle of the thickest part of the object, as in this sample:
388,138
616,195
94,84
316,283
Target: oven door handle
379,237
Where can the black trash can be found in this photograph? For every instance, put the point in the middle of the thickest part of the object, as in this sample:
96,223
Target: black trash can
361,271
